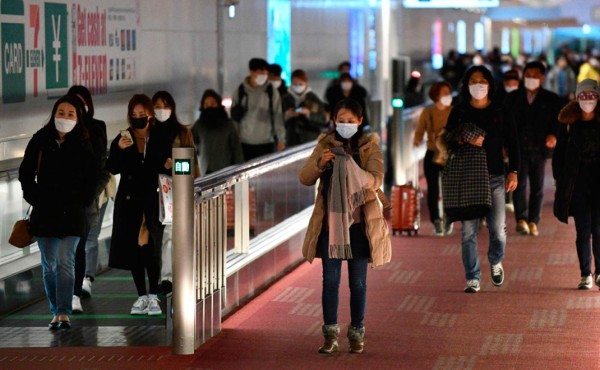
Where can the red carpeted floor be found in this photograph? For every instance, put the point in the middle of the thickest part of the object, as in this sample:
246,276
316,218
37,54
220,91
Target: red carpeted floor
417,315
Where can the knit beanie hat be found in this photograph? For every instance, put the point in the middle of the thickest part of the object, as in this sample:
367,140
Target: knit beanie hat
587,84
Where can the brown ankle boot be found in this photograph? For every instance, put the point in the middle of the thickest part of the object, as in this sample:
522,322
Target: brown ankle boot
330,332
356,337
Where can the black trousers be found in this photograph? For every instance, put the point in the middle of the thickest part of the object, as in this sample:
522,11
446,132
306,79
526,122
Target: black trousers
432,175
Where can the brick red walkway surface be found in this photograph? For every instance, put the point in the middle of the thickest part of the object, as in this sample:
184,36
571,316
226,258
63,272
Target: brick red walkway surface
417,316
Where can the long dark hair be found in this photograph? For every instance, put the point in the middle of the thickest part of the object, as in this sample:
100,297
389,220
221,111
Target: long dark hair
79,130
356,109
464,89
166,97
85,94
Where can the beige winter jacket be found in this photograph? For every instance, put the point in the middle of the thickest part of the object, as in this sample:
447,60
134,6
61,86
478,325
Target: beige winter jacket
376,225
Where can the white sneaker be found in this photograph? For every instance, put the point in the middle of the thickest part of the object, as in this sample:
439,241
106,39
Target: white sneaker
586,282
597,280
140,307
497,274
76,303
472,286
86,287
154,307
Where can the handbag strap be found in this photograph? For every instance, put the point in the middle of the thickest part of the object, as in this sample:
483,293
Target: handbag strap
28,213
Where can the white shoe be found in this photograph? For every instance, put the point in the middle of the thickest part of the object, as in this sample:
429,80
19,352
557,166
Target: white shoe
140,307
86,287
472,286
586,282
154,307
76,303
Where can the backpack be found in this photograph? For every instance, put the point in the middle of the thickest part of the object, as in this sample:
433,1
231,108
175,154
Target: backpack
239,110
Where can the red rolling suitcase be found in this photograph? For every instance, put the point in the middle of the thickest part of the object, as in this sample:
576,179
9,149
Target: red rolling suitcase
405,209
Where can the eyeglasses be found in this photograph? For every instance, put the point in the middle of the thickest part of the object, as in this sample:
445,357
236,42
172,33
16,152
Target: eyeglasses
587,96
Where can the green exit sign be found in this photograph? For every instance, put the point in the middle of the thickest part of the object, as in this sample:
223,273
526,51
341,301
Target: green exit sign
183,166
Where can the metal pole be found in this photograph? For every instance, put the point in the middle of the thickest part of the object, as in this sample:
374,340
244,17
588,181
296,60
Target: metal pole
220,47
184,297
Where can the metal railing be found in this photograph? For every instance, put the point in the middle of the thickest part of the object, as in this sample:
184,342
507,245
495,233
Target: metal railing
262,218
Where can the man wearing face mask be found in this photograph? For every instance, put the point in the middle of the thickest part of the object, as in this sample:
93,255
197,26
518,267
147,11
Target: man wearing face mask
535,112
590,70
347,88
304,112
510,83
276,80
257,108
561,80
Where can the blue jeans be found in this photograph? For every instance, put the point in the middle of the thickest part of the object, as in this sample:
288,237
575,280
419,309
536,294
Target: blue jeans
91,244
58,266
533,166
357,280
496,220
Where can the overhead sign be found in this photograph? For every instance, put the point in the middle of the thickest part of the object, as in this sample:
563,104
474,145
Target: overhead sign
450,3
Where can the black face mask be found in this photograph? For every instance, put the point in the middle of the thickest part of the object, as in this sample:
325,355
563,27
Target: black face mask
139,123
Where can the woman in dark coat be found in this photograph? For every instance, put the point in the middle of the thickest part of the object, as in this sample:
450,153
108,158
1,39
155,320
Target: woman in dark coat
136,236
576,169
85,267
216,136
58,176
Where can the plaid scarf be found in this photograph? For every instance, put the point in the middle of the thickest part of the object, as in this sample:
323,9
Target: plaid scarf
346,193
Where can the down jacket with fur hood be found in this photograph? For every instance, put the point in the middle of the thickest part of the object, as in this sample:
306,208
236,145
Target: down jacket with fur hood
566,160
376,225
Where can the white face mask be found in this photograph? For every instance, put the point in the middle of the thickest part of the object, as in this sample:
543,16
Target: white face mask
346,130
588,106
446,100
510,89
260,79
532,83
346,85
64,125
162,115
276,83
478,91
298,89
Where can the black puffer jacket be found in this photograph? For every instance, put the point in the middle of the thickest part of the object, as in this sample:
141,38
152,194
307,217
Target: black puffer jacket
567,158
65,185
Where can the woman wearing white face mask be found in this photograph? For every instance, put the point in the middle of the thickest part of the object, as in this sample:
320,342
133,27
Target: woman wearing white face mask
349,165
576,169
433,120
58,176
474,181
175,135
304,112
170,129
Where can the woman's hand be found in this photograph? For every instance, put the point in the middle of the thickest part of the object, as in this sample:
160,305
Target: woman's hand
326,157
168,163
477,141
124,142
511,181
